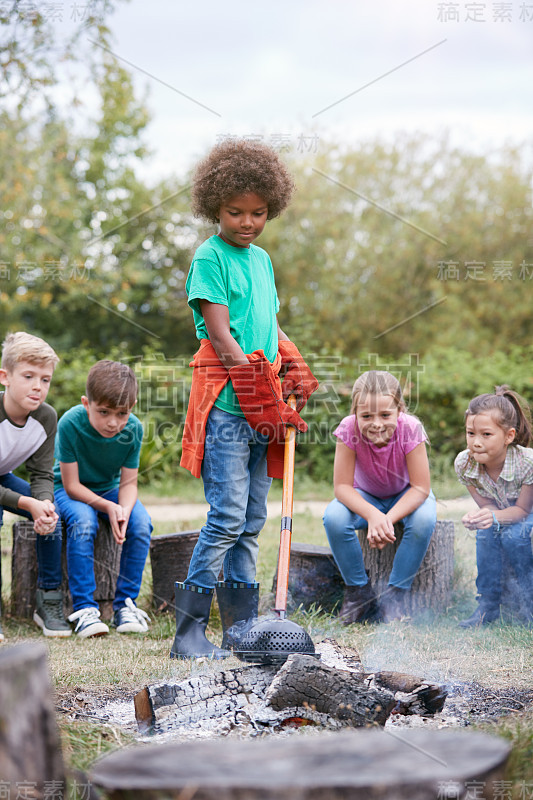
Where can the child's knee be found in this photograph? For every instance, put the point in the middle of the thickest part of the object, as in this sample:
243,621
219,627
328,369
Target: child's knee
336,517
140,523
84,525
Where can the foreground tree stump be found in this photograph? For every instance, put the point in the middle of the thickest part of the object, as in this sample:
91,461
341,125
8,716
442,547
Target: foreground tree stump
413,765
24,570
315,580
30,749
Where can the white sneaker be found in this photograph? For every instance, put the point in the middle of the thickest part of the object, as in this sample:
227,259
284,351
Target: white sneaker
130,619
89,623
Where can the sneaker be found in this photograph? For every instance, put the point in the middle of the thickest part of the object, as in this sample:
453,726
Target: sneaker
130,619
89,623
48,613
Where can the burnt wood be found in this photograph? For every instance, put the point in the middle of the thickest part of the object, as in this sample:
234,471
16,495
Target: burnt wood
30,748
24,569
413,694
359,764
341,694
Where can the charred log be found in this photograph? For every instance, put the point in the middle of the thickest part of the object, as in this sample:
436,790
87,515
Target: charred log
303,680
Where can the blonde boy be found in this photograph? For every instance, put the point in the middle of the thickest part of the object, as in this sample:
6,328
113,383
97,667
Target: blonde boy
27,431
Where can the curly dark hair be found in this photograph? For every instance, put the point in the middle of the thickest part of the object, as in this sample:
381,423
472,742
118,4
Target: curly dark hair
240,166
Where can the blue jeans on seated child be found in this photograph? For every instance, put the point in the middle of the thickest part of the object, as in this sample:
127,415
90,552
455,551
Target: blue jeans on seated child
341,525
48,547
236,484
511,542
82,526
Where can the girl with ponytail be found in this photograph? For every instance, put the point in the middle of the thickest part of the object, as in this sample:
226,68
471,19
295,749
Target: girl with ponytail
497,470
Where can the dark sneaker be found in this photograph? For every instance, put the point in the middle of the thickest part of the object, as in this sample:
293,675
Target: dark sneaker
48,613
89,622
130,619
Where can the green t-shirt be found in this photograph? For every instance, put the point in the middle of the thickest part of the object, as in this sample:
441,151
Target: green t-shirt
242,279
99,459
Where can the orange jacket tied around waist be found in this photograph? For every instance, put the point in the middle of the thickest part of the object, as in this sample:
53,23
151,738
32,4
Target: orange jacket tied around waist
208,379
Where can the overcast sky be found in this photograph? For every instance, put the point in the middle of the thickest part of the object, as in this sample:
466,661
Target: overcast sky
304,72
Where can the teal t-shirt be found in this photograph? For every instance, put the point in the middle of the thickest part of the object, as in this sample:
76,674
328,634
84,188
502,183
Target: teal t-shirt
242,279
99,459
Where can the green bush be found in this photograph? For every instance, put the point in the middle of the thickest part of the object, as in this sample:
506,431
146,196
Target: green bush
437,391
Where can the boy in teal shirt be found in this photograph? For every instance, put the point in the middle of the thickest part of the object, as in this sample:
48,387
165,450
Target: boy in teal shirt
97,459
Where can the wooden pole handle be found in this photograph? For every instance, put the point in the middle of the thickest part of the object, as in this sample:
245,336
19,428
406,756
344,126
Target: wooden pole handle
284,555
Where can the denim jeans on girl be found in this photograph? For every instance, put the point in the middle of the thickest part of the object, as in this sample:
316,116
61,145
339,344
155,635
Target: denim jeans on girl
511,542
48,547
341,525
81,520
234,472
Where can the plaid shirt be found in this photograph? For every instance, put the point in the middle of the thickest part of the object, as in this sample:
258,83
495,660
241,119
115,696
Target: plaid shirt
516,471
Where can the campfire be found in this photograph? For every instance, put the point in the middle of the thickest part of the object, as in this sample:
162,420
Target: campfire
302,716
330,693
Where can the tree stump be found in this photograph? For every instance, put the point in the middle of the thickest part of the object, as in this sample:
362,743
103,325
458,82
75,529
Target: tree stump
432,586
24,570
360,764
314,578
30,748
170,556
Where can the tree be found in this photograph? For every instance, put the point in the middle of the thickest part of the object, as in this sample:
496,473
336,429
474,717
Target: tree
378,252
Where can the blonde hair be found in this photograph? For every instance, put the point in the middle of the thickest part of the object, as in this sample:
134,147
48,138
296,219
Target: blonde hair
21,346
377,381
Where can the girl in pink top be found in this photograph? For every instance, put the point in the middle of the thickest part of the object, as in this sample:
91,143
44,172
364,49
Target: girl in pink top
381,476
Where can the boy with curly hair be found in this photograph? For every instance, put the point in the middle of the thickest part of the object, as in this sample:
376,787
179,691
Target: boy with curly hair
237,409
27,431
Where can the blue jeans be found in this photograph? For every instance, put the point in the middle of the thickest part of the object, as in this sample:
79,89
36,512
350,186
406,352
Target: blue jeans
48,547
511,542
81,520
341,525
234,472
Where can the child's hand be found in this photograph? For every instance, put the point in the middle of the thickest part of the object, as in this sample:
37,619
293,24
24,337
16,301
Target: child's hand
479,519
43,514
380,530
46,523
117,519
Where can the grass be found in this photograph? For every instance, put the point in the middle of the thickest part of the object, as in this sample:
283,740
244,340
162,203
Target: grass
498,656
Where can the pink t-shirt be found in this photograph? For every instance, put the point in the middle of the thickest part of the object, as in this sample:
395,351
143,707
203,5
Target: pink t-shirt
382,471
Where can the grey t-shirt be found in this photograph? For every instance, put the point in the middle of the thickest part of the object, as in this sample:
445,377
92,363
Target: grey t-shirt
31,444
